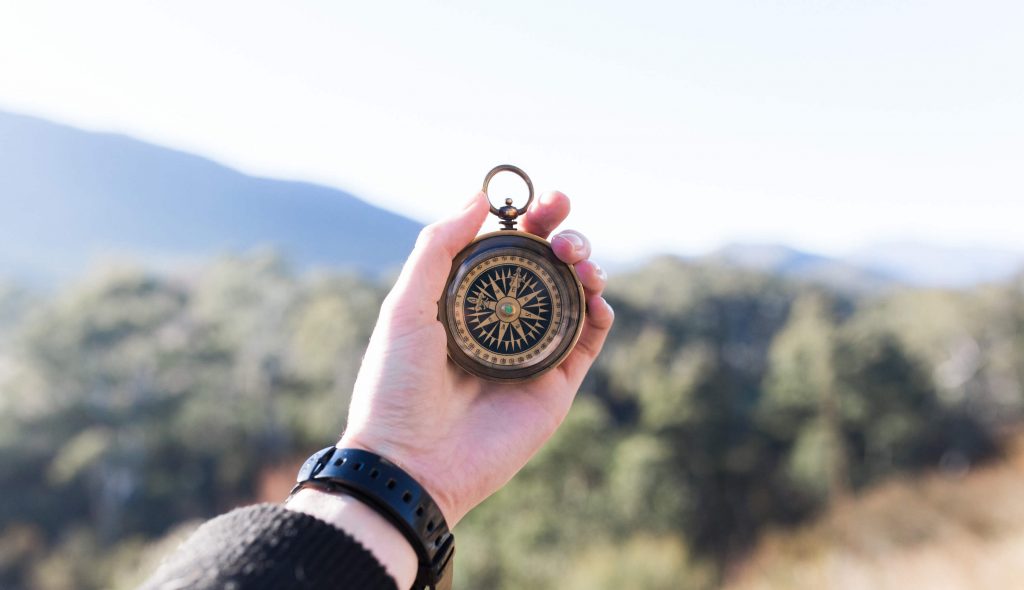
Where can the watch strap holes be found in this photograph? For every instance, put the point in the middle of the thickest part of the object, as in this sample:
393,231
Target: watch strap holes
396,496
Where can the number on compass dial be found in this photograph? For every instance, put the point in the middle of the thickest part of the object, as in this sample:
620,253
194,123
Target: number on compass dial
509,310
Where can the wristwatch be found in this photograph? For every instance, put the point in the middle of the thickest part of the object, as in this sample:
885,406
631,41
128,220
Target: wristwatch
396,496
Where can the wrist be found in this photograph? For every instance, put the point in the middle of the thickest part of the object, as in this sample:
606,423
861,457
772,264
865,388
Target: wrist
394,495
365,525
407,460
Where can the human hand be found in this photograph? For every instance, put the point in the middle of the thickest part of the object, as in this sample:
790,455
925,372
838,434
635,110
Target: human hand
460,436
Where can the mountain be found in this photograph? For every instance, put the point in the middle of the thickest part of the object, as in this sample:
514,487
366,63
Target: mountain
924,265
789,262
877,267
69,197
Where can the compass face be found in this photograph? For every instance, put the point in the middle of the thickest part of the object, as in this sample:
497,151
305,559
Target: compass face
512,310
509,304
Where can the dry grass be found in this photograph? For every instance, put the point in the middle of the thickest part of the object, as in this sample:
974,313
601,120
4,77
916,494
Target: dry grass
936,532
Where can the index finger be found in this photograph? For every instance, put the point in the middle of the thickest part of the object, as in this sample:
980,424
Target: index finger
543,217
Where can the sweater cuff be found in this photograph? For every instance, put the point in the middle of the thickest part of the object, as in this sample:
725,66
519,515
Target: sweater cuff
269,546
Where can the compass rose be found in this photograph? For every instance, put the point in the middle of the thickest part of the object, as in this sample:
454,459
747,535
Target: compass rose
508,309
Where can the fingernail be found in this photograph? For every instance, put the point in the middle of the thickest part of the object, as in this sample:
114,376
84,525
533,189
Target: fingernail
599,271
576,241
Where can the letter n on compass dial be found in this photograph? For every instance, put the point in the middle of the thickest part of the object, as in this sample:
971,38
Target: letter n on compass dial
509,310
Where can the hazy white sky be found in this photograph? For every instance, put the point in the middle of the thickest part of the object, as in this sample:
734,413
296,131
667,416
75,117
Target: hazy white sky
674,126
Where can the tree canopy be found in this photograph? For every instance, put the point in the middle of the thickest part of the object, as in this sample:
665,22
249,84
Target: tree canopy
725,402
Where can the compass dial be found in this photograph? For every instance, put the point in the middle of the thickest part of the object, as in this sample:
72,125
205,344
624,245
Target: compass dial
509,306
512,310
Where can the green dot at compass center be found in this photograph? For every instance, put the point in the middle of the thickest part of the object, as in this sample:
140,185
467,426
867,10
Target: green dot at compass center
508,309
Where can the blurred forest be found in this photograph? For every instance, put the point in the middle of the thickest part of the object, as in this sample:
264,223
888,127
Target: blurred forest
729,413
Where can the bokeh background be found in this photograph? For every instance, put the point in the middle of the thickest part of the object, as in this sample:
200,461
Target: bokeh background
811,212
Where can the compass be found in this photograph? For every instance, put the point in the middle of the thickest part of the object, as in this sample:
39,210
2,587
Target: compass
511,308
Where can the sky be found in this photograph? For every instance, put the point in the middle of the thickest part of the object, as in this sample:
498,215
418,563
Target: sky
673,127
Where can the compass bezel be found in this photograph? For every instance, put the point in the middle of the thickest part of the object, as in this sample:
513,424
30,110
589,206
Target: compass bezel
567,281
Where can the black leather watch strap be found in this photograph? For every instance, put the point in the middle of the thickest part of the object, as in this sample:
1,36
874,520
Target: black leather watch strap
395,495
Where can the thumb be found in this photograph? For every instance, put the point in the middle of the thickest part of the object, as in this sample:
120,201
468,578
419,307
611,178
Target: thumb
425,272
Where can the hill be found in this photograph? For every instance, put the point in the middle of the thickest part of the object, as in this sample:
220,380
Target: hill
788,262
70,197
877,267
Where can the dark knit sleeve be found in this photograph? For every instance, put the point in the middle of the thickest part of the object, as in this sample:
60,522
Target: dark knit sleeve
269,546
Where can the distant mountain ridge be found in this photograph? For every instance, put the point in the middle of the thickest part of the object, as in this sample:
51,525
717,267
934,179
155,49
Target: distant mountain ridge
70,197
789,262
879,267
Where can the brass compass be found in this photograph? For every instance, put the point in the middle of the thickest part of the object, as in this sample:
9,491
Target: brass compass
511,308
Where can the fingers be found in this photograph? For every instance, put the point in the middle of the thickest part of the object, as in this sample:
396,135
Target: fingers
592,276
544,216
423,277
599,320
571,246
574,248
